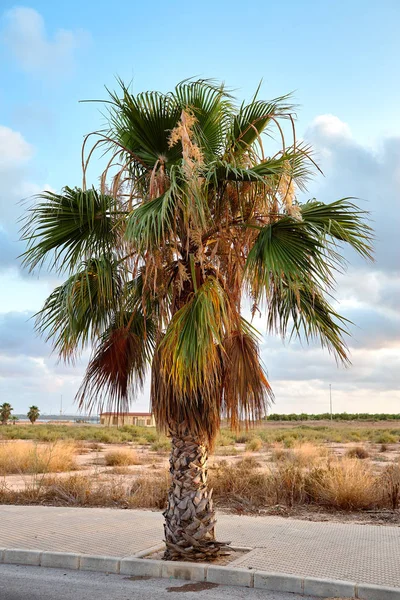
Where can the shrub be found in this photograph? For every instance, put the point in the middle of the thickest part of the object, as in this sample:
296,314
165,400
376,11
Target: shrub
307,454
227,451
163,444
391,485
254,445
357,452
26,457
239,483
150,492
243,438
278,453
386,438
383,448
287,484
347,484
121,458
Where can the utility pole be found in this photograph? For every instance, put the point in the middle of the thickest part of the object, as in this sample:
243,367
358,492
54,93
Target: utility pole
61,406
330,399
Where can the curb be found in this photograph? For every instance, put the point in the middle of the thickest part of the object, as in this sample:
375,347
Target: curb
250,578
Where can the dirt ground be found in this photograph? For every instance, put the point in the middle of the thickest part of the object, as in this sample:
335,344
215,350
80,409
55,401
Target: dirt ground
91,460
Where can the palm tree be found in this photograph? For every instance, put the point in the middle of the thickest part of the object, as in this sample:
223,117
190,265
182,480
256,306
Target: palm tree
33,414
5,412
193,226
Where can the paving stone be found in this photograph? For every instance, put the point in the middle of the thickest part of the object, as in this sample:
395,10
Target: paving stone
366,554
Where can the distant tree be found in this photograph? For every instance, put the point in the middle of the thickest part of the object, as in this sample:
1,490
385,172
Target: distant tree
5,412
33,414
14,419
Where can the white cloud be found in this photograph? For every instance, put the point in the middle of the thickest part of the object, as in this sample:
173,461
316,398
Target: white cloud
330,127
25,36
14,149
368,294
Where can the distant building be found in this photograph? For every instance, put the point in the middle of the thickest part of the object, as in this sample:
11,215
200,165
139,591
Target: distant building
141,419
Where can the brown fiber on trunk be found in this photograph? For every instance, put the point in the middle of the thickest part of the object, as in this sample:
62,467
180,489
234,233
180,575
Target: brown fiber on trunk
190,517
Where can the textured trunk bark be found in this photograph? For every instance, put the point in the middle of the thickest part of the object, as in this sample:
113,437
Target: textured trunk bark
190,517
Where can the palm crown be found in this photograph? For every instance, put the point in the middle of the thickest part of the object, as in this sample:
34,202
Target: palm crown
191,223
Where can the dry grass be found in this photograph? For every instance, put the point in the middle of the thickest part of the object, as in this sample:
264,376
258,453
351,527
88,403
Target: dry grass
84,490
242,483
391,485
345,484
26,457
150,492
302,455
121,458
357,452
254,445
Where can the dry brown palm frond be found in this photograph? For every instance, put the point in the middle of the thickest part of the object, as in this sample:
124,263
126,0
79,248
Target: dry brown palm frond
118,366
246,391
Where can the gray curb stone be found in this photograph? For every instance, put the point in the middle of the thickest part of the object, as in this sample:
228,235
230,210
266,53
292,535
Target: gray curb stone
377,592
184,570
278,582
103,564
223,575
326,587
141,566
60,560
15,556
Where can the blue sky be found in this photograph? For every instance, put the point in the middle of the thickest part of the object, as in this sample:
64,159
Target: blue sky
340,59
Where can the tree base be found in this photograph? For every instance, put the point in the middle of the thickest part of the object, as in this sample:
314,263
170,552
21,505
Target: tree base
206,551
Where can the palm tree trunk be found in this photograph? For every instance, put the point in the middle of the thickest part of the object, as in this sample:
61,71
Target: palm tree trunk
190,517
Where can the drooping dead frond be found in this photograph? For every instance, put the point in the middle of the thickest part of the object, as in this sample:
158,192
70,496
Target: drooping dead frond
118,366
246,390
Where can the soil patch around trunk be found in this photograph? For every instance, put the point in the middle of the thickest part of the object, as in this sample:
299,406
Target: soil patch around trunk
221,561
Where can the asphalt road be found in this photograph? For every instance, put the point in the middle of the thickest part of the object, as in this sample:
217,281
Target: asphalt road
38,583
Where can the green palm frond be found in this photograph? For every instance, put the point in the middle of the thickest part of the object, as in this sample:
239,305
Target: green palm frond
252,119
190,355
79,310
341,221
142,124
151,222
69,227
212,107
283,253
307,314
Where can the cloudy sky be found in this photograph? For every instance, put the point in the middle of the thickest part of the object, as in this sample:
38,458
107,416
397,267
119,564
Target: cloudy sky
339,58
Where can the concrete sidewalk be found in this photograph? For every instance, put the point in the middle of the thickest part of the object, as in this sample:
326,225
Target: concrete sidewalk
350,552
